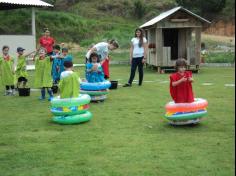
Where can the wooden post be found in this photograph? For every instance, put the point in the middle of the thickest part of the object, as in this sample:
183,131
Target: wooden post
188,43
159,47
148,50
33,22
198,44
33,27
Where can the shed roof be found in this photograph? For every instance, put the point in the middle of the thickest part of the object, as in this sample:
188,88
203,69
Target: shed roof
170,12
13,4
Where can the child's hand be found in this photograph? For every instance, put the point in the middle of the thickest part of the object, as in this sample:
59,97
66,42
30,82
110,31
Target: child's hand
95,67
183,79
190,79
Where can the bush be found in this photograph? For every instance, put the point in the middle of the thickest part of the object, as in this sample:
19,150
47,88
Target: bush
224,57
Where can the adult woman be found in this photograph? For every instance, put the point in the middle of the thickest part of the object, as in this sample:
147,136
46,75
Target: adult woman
138,55
47,42
102,49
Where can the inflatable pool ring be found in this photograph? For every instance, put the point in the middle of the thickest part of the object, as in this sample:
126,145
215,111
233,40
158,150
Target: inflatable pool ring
73,110
94,93
79,118
198,104
98,98
95,86
186,113
70,102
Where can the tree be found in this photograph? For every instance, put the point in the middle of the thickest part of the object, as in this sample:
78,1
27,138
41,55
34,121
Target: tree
203,7
139,8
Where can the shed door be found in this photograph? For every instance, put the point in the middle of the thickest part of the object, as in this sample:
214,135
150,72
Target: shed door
171,38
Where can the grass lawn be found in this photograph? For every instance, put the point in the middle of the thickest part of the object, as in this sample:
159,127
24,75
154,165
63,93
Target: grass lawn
127,135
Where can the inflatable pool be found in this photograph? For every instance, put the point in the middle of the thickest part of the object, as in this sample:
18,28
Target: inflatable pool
79,118
71,110
94,93
95,86
186,113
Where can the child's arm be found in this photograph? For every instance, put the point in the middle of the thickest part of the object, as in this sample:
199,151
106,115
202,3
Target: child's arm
93,49
176,83
26,55
190,78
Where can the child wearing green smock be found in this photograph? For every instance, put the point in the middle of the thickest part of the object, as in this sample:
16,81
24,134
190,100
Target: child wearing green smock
21,73
7,71
43,77
69,82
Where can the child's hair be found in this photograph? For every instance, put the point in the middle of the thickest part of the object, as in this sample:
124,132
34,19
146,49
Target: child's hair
64,49
181,62
114,43
5,47
42,48
46,30
68,64
94,55
57,47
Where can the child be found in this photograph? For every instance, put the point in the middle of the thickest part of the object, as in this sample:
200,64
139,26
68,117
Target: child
181,83
102,49
21,73
43,78
56,64
7,71
64,57
69,83
94,72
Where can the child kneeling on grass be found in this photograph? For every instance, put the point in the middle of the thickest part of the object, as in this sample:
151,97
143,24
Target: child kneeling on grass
181,83
43,77
94,71
69,83
7,71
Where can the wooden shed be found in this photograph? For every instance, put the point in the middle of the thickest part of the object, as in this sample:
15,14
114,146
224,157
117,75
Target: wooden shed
174,34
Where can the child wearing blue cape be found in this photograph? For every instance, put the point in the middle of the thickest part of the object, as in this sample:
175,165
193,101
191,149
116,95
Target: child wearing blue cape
94,72
56,64
65,57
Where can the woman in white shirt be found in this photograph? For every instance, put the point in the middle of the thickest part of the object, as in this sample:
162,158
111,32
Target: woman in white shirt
138,55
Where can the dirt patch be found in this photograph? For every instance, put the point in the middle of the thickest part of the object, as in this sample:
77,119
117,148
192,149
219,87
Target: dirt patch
226,28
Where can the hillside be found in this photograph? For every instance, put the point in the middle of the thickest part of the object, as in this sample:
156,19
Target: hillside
88,21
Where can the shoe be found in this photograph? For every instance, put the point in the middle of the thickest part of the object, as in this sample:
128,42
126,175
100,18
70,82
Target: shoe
50,98
41,98
127,85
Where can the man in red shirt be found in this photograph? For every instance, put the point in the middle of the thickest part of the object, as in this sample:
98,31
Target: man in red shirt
181,83
47,42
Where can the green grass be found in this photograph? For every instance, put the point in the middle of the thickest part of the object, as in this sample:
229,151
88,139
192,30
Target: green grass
127,135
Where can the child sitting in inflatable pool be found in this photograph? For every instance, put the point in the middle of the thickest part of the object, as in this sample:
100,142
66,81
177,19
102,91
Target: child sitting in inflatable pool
94,71
181,83
69,82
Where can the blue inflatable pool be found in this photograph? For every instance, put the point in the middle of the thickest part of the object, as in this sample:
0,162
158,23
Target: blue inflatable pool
95,86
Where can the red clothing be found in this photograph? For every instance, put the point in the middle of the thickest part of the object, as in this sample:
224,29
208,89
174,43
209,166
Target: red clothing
47,43
105,67
183,92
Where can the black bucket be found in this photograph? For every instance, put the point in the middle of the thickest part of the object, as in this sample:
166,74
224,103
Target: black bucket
54,89
24,92
114,85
